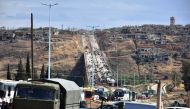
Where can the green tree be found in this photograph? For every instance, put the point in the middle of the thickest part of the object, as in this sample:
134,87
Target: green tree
137,56
28,72
176,78
35,74
185,70
174,56
20,72
8,73
46,75
42,75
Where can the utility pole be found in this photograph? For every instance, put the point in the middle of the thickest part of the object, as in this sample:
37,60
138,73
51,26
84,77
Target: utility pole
134,81
145,79
93,28
49,53
62,27
159,92
117,62
32,46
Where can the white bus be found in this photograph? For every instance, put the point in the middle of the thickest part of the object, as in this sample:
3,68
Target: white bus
7,90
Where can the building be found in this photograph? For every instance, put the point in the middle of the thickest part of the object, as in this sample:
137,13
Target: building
172,21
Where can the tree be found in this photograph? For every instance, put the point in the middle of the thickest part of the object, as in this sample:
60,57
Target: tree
8,73
176,78
46,75
28,72
35,74
174,56
185,70
42,75
20,72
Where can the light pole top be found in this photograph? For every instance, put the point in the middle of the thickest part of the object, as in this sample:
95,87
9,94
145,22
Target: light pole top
50,5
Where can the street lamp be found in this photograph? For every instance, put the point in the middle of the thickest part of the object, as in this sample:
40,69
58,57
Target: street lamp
49,51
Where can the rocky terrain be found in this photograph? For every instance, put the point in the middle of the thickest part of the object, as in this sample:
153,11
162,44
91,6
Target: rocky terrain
66,51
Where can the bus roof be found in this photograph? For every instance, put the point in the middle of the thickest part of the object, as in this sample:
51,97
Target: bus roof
9,82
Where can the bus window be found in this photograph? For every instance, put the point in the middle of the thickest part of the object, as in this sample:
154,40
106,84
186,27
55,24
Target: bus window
2,94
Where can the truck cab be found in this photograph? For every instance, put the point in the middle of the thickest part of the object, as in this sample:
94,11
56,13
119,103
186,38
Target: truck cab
36,95
47,94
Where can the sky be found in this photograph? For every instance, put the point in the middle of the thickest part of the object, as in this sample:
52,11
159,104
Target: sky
102,13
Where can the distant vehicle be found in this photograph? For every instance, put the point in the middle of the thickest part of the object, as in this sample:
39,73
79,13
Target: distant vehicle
141,96
110,81
121,94
88,93
101,92
7,90
47,94
144,95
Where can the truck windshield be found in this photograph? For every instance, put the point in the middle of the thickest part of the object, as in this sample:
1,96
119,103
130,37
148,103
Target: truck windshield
35,93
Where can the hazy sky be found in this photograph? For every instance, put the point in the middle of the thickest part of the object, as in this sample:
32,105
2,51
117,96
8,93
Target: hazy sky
82,13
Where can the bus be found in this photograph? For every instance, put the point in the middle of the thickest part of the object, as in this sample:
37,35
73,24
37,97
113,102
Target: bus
7,90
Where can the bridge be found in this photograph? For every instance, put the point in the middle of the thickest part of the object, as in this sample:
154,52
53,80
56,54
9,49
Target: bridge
96,64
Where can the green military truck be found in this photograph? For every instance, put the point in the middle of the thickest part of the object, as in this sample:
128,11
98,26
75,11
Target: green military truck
47,94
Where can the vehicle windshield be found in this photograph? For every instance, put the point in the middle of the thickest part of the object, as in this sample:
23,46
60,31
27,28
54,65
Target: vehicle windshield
2,94
100,93
88,94
35,93
119,93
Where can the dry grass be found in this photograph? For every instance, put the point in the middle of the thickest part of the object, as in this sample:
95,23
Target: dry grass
63,54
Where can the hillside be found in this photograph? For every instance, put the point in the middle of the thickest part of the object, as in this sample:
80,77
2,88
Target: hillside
66,50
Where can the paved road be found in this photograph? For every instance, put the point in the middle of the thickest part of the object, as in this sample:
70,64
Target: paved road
96,62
